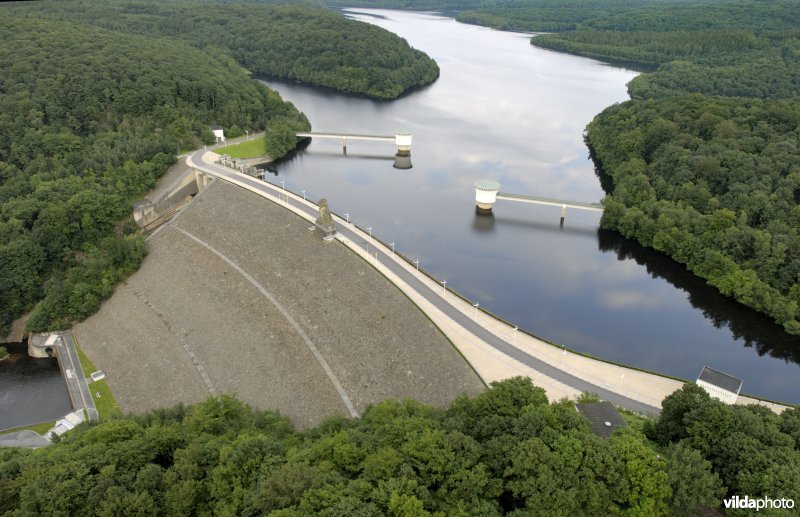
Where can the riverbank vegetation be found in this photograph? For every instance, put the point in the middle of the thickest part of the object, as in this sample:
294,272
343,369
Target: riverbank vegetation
306,43
98,97
90,119
703,163
508,451
714,183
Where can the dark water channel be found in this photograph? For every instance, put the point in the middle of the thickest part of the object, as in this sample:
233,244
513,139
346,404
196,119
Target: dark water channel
505,110
31,390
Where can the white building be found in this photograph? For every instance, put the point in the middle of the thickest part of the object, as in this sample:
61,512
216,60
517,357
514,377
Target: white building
219,134
720,385
67,423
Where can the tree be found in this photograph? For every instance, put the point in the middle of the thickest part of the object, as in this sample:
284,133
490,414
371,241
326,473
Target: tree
694,486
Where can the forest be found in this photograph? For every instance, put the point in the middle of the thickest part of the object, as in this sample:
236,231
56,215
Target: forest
97,99
714,183
299,41
702,164
506,452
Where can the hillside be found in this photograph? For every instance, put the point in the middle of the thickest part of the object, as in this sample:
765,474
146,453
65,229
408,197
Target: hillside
305,42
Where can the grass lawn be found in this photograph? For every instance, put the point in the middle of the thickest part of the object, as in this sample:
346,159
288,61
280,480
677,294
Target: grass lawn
39,428
248,149
101,393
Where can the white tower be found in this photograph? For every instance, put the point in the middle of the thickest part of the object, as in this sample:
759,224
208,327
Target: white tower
486,195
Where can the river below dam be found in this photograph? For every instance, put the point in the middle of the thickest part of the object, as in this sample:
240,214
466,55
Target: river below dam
505,110
32,391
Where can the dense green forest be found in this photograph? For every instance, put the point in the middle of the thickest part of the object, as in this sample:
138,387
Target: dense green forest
96,99
715,184
518,15
90,119
703,163
307,43
508,451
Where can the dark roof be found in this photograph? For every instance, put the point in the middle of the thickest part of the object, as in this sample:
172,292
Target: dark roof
214,128
721,380
603,416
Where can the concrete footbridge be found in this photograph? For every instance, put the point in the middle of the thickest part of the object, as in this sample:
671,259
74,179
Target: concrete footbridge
402,141
487,193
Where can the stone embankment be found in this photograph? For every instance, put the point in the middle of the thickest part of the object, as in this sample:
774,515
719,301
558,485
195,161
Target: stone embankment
238,296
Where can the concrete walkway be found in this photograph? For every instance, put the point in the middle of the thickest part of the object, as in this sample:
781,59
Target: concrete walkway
28,439
494,349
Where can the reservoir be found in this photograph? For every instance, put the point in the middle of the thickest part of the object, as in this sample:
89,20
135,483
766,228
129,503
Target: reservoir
507,111
32,391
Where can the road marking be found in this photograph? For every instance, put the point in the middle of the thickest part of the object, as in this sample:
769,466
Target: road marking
309,343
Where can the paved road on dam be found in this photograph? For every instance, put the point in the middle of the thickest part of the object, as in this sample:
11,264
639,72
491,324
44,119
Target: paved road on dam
391,262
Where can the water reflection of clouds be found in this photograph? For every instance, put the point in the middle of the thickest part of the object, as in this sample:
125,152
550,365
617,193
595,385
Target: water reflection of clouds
507,111
627,299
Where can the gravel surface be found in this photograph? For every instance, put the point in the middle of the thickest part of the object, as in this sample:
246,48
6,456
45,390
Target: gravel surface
187,324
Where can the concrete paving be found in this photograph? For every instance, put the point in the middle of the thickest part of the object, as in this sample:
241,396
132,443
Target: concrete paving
27,439
76,380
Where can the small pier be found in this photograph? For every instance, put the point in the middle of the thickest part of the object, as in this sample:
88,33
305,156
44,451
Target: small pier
401,140
487,193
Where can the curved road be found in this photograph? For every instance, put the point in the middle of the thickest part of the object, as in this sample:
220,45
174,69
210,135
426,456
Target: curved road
272,192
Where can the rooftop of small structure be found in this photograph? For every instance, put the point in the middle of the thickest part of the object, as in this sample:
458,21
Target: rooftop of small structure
603,416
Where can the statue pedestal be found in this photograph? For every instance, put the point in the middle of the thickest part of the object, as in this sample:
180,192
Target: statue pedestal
325,222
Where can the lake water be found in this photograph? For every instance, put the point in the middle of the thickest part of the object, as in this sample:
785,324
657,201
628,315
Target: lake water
505,110
31,390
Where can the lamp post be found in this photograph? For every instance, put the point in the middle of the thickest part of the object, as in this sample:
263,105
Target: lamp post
283,186
369,229
515,335
476,305
248,134
304,194
392,245
444,286
347,217
416,263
